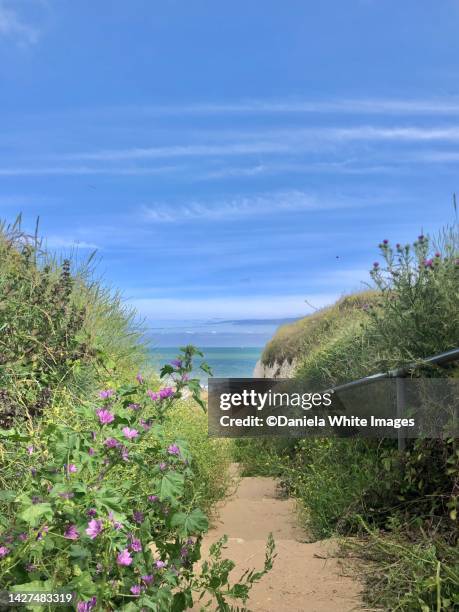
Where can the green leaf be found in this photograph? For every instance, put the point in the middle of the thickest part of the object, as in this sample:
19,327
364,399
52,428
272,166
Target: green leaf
7,496
190,524
171,485
34,513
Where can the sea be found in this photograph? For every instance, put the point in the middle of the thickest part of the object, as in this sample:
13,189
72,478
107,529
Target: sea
226,362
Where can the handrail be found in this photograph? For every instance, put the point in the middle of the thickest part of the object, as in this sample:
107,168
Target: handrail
440,359
399,374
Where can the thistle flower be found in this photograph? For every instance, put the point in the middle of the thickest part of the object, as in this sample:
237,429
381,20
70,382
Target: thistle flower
91,451
177,363
124,558
162,466
124,454
145,424
160,564
130,433
92,512
153,498
94,528
173,449
134,406
105,416
138,516
375,265
136,590
23,537
140,379
111,443
3,551
30,449
152,395
71,533
72,468
148,578
106,394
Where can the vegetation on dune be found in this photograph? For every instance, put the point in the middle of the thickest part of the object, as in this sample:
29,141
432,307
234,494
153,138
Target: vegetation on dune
404,505
107,476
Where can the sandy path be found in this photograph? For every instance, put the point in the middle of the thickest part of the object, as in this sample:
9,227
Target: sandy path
304,577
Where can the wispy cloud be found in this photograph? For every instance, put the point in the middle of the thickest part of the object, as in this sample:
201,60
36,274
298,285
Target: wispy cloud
244,206
370,106
84,170
59,242
13,27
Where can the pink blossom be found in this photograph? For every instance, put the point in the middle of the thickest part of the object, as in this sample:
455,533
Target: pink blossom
152,395
105,416
71,533
4,551
136,545
130,433
94,528
124,558
106,394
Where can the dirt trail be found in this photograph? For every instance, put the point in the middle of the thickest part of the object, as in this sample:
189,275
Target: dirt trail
304,577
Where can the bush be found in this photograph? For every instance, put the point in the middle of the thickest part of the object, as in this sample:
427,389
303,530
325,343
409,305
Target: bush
105,508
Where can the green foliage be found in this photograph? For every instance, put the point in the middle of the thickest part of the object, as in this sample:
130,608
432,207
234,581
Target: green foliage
105,507
58,327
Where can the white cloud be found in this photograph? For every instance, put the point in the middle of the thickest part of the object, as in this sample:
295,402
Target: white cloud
58,242
259,307
12,26
245,206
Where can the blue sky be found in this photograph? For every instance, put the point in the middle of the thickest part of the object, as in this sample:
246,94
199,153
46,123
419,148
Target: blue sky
229,160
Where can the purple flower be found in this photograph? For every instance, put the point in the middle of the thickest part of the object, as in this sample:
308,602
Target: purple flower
166,392
140,379
105,416
41,532
94,528
138,516
106,394
72,468
160,564
136,545
124,454
124,558
177,363
130,433
153,498
116,524
67,495
33,471
134,406
145,424
152,395
30,449
92,512
437,254
162,466
3,551
385,242
375,264
428,263
135,590
91,451
111,443
184,552
173,449
148,578
87,606
421,238
23,537
71,533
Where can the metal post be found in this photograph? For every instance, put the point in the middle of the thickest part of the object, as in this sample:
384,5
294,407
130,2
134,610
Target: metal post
401,408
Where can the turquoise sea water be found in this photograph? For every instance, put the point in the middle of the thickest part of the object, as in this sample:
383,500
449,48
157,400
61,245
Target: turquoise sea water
226,362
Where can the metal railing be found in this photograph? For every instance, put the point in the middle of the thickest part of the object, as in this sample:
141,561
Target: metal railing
400,374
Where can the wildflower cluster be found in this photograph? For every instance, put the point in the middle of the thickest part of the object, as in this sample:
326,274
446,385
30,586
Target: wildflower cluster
116,541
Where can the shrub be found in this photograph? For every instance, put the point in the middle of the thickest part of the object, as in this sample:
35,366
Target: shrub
103,508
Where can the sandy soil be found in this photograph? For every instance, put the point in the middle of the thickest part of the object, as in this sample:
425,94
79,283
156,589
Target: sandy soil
305,576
